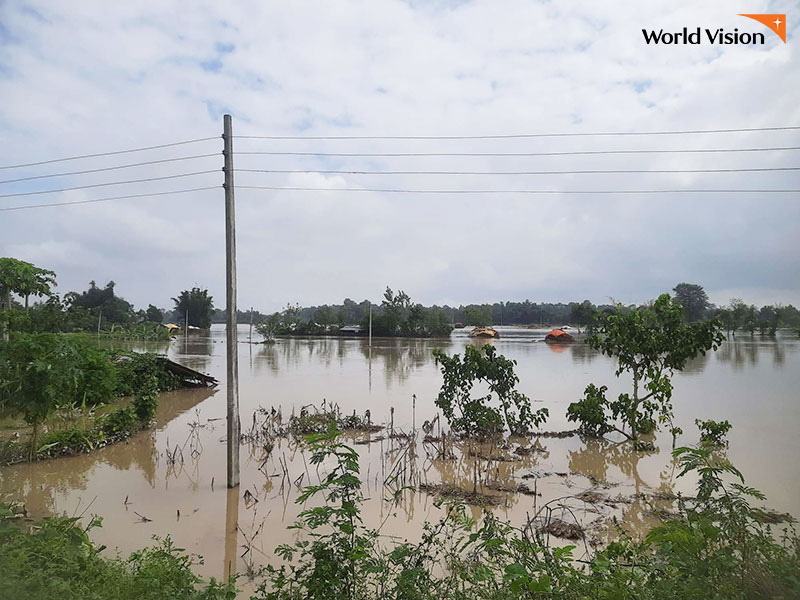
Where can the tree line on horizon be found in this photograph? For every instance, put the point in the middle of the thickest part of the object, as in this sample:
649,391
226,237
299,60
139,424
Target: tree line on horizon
395,315
98,308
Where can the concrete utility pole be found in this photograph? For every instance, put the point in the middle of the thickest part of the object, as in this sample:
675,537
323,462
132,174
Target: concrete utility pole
232,344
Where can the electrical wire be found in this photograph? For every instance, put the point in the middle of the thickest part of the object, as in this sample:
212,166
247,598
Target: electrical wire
406,191
583,172
96,185
114,153
201,189
499,154
508,136
140,164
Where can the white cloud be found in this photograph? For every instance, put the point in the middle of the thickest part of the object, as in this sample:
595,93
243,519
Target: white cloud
87,77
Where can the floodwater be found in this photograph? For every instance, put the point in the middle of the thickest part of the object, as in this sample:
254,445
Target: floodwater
170,480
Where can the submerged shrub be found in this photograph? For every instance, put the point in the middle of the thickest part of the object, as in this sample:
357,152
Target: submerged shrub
474,416
713,432
133,368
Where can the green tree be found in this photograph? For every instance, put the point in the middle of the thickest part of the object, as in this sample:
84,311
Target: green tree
154,314
85,308
768,320
395,312
750,319
738,314
478,315
198,304
693,299
473,416
324,315
24,279
269,327
40,372
436,323
583,314
650,343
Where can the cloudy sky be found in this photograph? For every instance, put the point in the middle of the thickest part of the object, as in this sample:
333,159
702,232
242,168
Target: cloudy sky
84,77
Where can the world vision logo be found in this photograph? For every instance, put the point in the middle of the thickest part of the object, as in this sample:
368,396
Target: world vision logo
687,36
775,22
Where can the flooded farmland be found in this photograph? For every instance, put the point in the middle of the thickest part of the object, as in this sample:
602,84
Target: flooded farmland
170,480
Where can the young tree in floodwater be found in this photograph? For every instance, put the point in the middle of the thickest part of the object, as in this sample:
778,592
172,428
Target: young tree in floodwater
650,343
269,327
474,416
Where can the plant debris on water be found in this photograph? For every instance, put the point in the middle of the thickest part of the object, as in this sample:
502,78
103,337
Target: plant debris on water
448,491
562,529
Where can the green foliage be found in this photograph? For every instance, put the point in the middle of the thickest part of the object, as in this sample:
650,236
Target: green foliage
693,299
154,314
713,432
400,317
583,314
475,417
590,412
397,316
43,373
269,327
24,279
58,560
650,343
717,549
145,402
314,420
40,372
198,304
721,547
121,422
335,560
98,303
478,316
134,368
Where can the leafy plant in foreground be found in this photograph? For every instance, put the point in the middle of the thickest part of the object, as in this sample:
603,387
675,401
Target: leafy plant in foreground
41,372
330,564
56,559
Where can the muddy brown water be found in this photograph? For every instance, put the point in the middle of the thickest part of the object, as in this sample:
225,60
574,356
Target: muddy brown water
139,491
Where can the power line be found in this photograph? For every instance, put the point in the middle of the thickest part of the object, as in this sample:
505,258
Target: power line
500,154
406,191
116,152
140,164
508,136
201,189
582,172
95,185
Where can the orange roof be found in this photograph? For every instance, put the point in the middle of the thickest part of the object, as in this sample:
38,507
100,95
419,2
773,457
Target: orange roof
558,332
